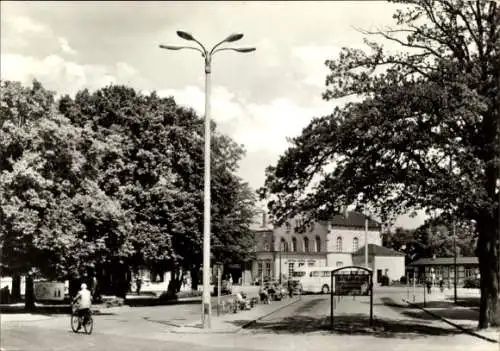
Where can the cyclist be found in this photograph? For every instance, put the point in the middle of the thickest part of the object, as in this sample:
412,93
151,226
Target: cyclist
84,300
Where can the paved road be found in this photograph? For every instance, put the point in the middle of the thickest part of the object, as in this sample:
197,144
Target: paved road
42,339
301,326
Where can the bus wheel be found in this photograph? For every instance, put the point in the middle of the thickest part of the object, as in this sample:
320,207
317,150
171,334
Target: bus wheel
325,289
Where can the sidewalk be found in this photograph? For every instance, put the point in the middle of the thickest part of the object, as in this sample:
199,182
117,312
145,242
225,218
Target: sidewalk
234,322
464,315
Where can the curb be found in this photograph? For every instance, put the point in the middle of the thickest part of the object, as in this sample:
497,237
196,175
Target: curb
191,329
465,330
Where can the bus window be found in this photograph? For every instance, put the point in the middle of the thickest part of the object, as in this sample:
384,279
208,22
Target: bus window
315,274
298,274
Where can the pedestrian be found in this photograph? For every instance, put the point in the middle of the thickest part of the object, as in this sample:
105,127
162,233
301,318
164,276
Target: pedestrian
264,296
441,284
138,283
429,286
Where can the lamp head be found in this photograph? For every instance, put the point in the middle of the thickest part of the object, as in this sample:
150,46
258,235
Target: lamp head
170,47
244,49
233,37
185,35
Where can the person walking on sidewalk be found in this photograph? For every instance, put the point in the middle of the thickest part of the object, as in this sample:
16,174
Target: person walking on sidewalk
428,283
138,284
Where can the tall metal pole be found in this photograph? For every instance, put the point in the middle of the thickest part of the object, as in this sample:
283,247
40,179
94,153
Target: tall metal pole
207,55
454,248
280,268
366,241
219,277
454,262
414,282
207,310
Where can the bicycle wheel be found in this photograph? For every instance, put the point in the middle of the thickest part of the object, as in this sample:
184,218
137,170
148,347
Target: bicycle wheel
89,326
74,322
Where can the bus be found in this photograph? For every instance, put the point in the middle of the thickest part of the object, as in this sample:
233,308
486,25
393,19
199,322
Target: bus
313,279
318,280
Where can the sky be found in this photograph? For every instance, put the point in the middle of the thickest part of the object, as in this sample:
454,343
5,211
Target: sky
259,99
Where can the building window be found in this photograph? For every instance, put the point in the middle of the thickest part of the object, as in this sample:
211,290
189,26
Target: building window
469,272
268,269
301,264
288,227
318,244
266,247
283,245
290,269
259,269
339,244
294,244
311,264
355,244
339,264
306,244
311,226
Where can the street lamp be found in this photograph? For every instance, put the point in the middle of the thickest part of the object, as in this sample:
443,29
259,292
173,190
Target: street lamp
453,228
207,55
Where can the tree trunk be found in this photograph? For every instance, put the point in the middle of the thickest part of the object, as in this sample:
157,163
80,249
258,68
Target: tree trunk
16,287
74,286
29,294
487,252
194,278
178,281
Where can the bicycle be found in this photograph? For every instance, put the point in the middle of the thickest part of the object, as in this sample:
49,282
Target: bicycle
77,320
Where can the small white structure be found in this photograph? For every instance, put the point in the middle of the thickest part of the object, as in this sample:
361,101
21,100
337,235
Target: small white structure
383,261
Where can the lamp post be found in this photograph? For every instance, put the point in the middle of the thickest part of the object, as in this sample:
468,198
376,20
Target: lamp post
366,238
207,56
280,268
454,262
453,228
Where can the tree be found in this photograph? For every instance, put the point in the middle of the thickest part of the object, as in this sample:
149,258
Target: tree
158,178
424,133
434,237
50,204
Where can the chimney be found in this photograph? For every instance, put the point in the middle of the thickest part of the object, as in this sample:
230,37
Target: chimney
344,211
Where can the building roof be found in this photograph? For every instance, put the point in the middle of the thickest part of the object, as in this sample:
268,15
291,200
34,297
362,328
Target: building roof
375,250
444,261
353,219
